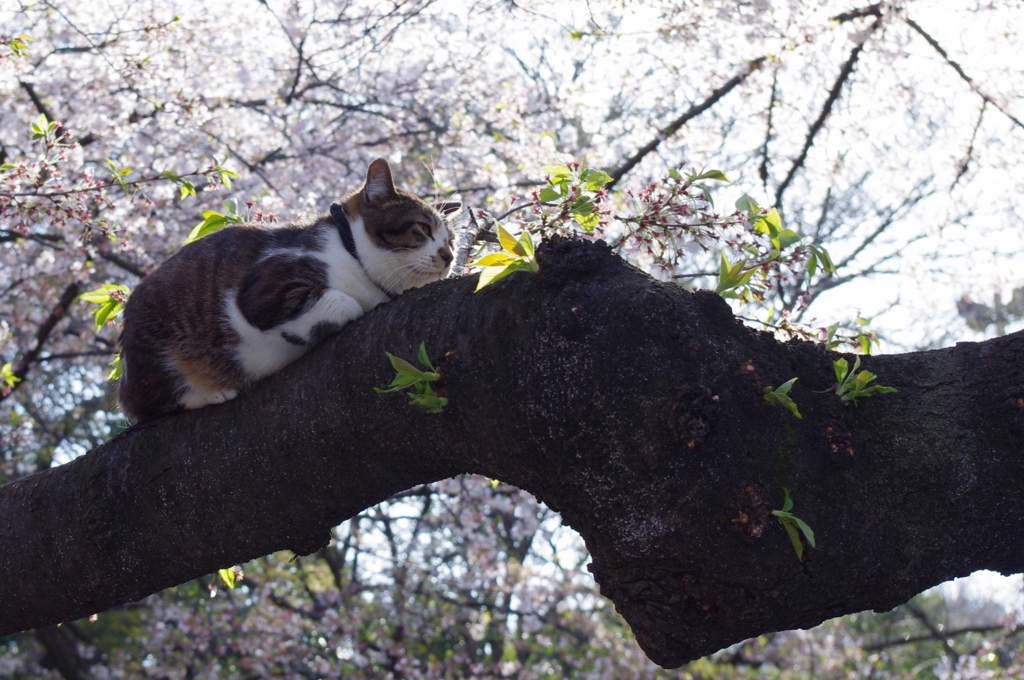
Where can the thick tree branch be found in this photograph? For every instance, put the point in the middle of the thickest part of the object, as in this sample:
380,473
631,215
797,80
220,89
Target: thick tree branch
633,408
691,113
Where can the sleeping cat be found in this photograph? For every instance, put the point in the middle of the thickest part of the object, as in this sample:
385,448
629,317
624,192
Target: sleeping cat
245,301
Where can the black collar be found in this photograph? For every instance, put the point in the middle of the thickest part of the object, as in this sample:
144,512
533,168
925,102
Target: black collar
344,230
347,240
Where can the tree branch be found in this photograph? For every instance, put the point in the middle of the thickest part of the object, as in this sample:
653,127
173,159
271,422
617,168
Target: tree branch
826,110
664,457
691,113
42,335
36,99
956,67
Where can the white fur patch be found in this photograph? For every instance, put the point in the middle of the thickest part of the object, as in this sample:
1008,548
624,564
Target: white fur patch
399,270
264,352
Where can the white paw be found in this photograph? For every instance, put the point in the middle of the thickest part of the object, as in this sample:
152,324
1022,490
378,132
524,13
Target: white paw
195,397
220,396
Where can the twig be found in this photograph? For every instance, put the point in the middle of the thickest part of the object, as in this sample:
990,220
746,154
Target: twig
466,239
69,192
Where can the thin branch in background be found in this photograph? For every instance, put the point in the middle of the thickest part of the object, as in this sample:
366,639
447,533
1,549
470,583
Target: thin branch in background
42,335
967,79
76,355
691,113
918,195
253,168
869,11
36,100
914,639
936,634
826,110
965,164
762,171
124,264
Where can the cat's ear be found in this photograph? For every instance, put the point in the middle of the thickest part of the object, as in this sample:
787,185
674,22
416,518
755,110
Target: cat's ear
448,208
379,184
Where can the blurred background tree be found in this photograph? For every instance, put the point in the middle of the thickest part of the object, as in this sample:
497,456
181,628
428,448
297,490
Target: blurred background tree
890,133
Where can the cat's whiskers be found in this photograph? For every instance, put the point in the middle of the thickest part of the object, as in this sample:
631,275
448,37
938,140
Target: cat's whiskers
403,271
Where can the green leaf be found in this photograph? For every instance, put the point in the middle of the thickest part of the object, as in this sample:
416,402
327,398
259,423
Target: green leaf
557,170
549,194
826,259
769,223
787,501
781,399
808,534
212,221
527,242
786,238
675,174
747,204
587,220
785,387
117,369
507,240
7,374
829,343
405,368
841,368
707,195
794,538
225,176
489,275
711,174
421,355
494,260
812,264
595,179
227,577
105,312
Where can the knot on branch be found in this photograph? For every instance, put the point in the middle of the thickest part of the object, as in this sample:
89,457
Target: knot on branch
563,260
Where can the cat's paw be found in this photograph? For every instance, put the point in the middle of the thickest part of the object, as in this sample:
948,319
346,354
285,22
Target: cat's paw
195,397
220,396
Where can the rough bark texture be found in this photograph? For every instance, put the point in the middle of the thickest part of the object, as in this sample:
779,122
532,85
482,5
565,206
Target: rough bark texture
632,407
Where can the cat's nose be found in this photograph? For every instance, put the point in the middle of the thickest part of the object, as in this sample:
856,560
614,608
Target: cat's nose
445,253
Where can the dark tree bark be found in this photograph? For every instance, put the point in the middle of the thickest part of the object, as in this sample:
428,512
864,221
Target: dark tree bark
632,407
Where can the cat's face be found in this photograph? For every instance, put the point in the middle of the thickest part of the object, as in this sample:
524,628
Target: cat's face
410,241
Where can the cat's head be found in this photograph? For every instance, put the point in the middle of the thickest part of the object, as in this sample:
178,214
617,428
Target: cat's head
401,240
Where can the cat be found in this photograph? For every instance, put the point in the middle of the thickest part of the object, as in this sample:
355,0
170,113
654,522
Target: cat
244,302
